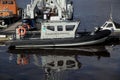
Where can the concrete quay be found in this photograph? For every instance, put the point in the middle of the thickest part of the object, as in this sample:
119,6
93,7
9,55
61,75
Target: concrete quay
5,34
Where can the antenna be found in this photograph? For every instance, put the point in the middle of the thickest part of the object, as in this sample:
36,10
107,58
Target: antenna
111,15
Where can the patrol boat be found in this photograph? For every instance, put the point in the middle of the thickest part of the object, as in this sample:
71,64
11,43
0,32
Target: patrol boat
54,25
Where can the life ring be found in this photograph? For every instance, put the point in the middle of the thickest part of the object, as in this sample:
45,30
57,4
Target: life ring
26,26
21,31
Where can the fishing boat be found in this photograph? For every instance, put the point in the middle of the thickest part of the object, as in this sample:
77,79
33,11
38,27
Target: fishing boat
55,27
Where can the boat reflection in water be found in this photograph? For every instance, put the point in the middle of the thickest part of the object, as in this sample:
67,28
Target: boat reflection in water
22,59
56,61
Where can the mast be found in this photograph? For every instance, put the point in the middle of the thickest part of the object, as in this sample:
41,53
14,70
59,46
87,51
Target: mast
111,10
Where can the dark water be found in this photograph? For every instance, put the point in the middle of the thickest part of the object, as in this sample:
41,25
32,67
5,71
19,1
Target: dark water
84,63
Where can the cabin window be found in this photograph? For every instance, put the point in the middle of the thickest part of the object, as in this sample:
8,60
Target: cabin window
70,64
51,64
4,2
60,63
7,2
104,24
51,28
70,27
59,28
10,2
110,25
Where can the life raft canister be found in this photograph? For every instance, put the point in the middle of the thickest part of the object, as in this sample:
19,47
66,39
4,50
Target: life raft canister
21,31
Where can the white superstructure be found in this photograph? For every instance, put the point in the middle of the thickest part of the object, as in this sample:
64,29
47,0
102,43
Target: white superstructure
54,9
111,25
59,29
54,18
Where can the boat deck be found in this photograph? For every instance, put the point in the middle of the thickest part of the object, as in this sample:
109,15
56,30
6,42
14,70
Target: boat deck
12,26
5,33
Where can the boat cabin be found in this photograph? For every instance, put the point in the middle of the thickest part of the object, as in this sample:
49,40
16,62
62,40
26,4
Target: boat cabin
58,29
111,25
